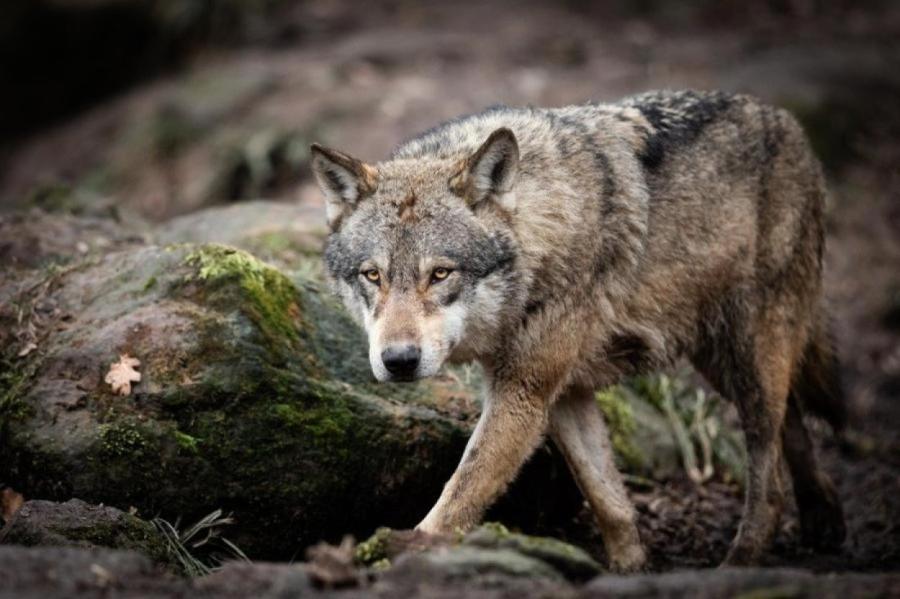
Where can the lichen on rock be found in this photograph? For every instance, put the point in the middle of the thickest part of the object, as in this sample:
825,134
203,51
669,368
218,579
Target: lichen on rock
490,547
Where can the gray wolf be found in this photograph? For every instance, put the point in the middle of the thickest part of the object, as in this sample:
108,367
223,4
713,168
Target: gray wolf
565,249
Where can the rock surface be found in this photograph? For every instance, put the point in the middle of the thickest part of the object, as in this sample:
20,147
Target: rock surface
288,235
78,524
35,238
48,573
255,397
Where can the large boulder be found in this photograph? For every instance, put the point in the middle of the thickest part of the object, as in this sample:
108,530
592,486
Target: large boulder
255,397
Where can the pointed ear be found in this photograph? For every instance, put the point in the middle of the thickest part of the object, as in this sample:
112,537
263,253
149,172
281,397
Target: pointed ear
343,179
490,171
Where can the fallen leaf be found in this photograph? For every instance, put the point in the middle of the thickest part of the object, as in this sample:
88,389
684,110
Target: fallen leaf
103,576
10,502
122,373
29,347
333,567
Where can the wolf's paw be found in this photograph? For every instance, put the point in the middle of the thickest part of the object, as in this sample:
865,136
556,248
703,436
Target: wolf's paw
430,526
743,552
628,560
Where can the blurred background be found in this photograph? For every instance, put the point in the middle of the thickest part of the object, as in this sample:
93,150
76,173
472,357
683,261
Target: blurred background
124,120
164,106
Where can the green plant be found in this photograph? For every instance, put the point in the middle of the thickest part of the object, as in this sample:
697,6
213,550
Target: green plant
696,422
200,548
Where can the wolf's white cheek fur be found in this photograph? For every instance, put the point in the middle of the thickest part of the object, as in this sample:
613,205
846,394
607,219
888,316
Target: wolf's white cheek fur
435,351
363,316
488,302
373,328
454,326
352,302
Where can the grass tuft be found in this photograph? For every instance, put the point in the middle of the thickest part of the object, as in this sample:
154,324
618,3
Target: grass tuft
200,548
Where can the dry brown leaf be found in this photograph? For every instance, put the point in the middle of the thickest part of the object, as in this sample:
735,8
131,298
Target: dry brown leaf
10,502
103,576
333,566
29,347
122,373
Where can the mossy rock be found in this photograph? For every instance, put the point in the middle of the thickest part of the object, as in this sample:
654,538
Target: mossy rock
574,563
491,546
256,397
469,563
288,235
78,524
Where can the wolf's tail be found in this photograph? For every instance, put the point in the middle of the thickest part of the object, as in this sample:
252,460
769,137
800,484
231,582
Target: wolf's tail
817,385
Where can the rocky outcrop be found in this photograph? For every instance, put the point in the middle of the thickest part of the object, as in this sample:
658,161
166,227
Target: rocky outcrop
255,397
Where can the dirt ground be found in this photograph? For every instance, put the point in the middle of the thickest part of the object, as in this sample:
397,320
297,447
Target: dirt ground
367,79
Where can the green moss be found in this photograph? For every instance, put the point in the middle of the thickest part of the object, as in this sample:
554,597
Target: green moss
374,549
497,529
381,565
14,382
121,439
52,197
267,297
186,441
622,426
127,532
573,562
150,284
330,419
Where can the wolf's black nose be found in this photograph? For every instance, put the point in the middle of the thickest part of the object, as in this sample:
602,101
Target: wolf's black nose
401,360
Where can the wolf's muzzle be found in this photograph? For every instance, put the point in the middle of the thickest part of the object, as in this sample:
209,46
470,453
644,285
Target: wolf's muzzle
401,361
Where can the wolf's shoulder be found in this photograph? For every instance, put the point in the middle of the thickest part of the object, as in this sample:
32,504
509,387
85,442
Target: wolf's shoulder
667,118
462,133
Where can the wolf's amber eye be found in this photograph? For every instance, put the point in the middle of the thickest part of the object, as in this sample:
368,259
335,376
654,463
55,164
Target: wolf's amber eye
373,275
439,274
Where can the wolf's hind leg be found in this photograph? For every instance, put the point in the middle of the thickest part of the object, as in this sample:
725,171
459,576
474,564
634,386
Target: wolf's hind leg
751,364
578,429
819,509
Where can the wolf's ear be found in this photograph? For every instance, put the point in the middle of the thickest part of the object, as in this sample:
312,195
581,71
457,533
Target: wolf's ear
490,172
343,179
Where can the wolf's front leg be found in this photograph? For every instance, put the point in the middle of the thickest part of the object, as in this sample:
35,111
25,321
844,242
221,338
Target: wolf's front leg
578,429
511,426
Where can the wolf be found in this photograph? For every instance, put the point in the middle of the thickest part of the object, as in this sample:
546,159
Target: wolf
567,248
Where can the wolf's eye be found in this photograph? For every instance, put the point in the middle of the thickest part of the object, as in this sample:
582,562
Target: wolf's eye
439,274
372,275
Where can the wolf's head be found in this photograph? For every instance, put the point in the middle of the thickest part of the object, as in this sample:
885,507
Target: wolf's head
421,252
